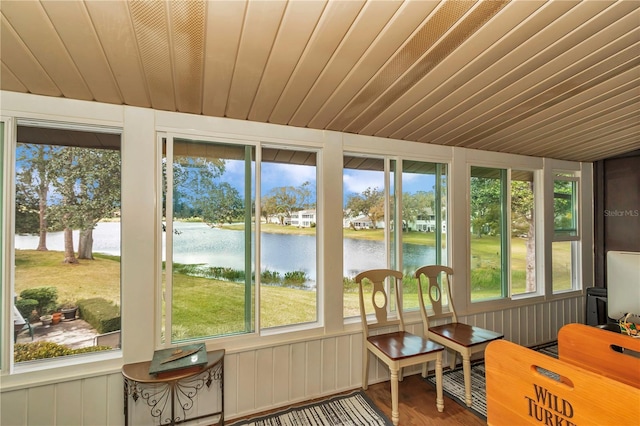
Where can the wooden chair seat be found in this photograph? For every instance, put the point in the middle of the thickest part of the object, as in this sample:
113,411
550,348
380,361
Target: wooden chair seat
401,345
465,335
397,349
460,338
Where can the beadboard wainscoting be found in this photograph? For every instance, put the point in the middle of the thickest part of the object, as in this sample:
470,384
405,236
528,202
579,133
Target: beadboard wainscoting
270,377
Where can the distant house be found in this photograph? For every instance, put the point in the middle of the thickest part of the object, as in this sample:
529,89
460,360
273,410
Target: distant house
361,222
303,218
279,219
299,219
425,222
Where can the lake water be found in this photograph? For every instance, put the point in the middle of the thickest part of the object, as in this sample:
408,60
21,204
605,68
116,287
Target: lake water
198,243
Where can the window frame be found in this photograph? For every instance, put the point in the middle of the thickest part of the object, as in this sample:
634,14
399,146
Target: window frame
256,249
538,208
576,241
575,202
393,192
508,299
9,369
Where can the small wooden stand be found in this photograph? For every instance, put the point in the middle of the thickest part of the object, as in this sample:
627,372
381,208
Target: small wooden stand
169,398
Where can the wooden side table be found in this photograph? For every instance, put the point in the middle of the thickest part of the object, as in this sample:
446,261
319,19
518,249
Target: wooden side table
169,398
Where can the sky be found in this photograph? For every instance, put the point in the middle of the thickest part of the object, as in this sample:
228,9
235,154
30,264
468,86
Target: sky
354,181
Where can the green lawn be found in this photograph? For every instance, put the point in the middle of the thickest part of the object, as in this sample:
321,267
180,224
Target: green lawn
84,280
204,306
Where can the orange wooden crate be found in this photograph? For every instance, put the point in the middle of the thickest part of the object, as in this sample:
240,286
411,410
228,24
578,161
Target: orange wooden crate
601,351
519,393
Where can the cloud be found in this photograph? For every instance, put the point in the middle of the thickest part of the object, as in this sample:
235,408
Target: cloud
278,174
356,181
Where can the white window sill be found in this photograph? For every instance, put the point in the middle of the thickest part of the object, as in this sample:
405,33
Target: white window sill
38,373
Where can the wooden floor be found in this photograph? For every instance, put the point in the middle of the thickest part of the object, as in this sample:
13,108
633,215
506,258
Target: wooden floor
417,404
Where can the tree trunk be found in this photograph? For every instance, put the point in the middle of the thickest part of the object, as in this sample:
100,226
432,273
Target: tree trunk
85,245
42,210
531,257
69,255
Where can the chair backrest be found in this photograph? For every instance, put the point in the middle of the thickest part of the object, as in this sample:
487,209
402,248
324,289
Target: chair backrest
378,298
437,281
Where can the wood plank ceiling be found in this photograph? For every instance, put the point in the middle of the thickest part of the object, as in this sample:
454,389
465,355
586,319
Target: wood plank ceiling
558,78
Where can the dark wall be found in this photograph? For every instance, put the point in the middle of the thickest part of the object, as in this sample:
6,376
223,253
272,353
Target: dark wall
617,209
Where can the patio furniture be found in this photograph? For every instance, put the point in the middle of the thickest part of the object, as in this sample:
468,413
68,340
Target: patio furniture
20,324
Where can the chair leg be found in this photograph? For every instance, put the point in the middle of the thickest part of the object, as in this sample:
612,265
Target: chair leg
466,368
395,415
365,369
425,370
439,397
454,356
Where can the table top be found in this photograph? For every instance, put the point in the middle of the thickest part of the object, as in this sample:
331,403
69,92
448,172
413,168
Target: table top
139,371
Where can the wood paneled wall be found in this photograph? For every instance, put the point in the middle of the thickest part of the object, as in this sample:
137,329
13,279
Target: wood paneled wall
270,377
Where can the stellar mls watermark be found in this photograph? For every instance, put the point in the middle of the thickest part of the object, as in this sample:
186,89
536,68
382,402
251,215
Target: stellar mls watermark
622,213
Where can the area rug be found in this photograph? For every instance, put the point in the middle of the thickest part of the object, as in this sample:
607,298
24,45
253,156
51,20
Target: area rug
453,382
353,409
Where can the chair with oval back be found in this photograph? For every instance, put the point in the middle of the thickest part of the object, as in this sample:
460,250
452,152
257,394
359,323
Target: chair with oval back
461,338
397,349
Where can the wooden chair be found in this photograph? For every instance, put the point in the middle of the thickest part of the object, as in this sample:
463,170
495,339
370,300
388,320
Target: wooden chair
397,349
460,338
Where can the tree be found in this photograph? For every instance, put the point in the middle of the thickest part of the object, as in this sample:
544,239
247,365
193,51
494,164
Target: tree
370,203
269,207
418,204
32,189
523,224
282,201
486,208
88,183
198,191
222,203
563,205
305,195
190,174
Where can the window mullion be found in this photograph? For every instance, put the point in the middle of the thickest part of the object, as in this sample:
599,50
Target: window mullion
505,202
168,293
247,240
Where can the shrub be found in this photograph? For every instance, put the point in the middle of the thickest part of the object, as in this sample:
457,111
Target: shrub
40,350
270,277
295,278
233,274
409,284
46,296
26,307
103,315
349,285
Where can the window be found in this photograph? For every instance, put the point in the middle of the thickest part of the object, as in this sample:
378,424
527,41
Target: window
2,138
503,244
288,238
394,216
364,239
523,237
566,238
211,214
488,237
424,222
67,240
